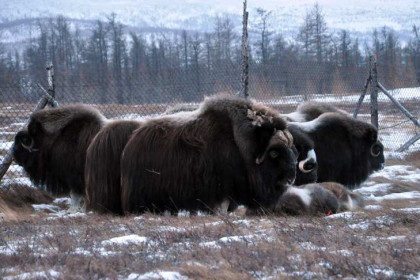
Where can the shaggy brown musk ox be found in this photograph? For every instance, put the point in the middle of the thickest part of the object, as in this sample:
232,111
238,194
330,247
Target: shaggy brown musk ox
229,149
52,149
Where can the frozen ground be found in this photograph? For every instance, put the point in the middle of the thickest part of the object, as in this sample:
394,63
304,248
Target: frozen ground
381,240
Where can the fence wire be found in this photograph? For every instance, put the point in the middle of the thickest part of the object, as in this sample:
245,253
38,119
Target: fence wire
132,97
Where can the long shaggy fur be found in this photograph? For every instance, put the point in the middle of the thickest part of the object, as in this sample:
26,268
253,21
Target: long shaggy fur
52,150
348,150
103,171
229,149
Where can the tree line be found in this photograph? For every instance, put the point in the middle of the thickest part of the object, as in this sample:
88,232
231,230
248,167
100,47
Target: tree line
112,65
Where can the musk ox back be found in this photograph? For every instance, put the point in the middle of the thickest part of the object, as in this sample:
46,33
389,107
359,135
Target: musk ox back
102,171
311,110
52,149
228,149
347,150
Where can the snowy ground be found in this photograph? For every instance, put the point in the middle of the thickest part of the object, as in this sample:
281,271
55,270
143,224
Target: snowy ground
379,241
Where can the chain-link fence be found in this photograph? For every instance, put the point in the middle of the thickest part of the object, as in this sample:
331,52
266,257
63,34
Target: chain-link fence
131,97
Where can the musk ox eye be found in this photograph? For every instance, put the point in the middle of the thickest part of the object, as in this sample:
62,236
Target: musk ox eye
274,154
375,150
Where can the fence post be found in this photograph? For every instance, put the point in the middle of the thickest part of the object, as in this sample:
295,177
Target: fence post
245,65
51,84
374,92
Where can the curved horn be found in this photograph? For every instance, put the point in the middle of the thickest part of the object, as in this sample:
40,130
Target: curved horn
372,152
30,148
302,166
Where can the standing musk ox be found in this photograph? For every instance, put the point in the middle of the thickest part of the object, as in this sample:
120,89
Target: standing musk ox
348,150
103,171
229,149
52,149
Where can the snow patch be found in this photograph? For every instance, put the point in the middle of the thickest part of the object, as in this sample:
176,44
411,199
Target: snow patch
162,275
126,240
396,196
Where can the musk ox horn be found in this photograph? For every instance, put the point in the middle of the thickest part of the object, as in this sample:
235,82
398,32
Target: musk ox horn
302,164
29,147
372,152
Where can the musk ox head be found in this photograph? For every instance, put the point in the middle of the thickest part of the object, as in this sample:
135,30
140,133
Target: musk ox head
348,150
52,148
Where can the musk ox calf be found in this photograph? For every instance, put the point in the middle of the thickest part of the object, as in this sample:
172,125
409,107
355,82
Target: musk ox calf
52,149
102,171
347,150
324,198
229,149
311,110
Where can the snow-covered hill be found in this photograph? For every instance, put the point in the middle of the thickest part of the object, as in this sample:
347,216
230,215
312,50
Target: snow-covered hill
358,16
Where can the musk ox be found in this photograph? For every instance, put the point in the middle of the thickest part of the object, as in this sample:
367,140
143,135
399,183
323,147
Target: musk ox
102,171
306,169
310,110
347,150
324,198
52,149
229,149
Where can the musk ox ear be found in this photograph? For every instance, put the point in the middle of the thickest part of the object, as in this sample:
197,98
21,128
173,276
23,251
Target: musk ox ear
371,135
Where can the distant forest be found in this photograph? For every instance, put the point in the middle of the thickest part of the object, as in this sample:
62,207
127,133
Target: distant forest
114,66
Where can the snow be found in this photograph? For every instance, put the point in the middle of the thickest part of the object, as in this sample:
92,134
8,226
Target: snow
49,274
373,207
126,240
408,210
344,215
396,196
46,207
161,275
384,187
403,172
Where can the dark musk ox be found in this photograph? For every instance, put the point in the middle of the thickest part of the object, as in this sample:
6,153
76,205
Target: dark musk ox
318,198
229,149
52,149
306,171
347,150
102,171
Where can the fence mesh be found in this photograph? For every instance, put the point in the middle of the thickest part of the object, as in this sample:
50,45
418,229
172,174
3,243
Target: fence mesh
131,97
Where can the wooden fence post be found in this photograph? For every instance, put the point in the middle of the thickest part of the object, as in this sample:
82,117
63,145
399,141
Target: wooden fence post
245,64
374,94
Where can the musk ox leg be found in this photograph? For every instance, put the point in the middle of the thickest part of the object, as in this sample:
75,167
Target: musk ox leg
77,203
222,209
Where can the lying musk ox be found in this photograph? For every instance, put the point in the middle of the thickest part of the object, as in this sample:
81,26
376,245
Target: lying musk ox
321,198
102,171
229,149
52,149
348,150
306,171
311,110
